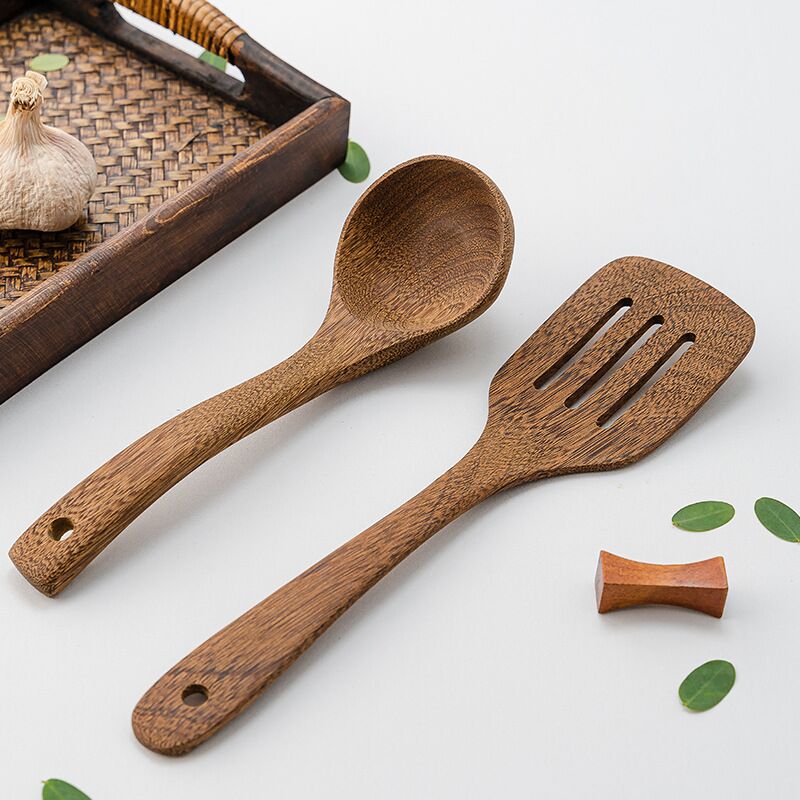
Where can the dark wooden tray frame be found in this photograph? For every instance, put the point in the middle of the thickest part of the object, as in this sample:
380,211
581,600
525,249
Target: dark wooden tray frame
83,299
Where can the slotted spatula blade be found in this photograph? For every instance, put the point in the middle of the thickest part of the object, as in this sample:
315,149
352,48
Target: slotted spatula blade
543,434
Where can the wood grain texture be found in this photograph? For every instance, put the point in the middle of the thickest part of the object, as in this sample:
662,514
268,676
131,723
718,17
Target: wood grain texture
531,433
184,151
424,251
622,583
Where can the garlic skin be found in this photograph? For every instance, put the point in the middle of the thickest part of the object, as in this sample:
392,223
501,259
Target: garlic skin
46,175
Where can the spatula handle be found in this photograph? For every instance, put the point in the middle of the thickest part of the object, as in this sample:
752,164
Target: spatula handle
223,676
62,542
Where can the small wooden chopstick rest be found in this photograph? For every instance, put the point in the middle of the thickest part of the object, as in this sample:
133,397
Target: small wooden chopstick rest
622,583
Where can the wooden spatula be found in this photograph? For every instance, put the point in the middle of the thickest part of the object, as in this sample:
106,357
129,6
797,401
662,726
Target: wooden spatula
550,413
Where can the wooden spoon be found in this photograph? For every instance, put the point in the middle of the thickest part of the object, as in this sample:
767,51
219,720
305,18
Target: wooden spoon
425,250
549,414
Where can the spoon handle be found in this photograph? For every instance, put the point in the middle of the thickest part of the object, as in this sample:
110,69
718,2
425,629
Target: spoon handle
62,542
220,678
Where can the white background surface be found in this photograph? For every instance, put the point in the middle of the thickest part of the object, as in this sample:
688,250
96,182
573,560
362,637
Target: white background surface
480,667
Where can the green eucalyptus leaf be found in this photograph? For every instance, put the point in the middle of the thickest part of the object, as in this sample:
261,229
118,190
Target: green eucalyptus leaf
705,686
59,790
703,516
356,163
216,61
48,62
778,519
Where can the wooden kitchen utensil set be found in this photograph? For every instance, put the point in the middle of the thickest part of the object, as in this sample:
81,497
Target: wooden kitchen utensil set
425,250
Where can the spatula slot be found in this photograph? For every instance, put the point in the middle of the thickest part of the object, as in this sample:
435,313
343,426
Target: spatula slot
595,333
650,378
624,354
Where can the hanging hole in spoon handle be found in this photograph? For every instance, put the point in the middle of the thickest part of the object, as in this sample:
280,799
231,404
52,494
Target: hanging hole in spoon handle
60,529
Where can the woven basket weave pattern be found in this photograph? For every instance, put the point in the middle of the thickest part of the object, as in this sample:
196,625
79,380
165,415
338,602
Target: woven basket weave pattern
152,133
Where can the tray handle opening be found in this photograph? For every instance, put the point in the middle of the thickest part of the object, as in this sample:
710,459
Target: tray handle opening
272,88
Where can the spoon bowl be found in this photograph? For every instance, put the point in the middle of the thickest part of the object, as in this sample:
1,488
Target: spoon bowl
426,249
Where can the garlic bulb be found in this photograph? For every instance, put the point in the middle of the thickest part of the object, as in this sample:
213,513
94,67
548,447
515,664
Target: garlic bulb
46,175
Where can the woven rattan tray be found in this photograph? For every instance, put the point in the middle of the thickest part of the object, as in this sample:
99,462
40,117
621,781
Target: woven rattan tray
175,142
